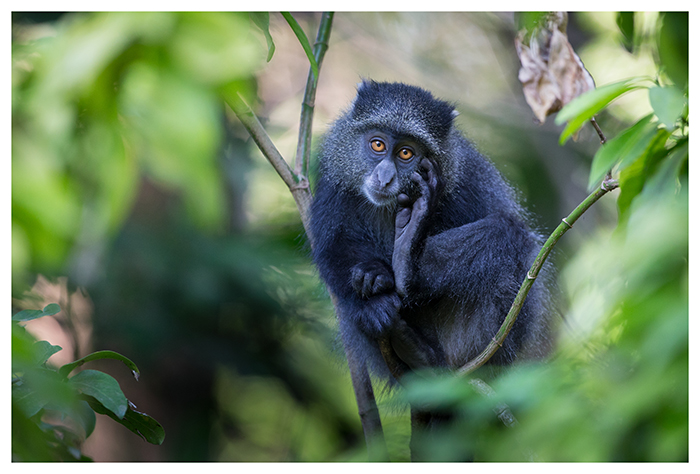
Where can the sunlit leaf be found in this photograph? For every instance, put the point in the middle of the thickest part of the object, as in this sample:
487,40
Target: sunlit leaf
68,368
102,387
214,48
303,40
29,314
668,103
585,106
630,143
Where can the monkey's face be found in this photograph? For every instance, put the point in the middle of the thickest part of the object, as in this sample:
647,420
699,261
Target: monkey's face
389,160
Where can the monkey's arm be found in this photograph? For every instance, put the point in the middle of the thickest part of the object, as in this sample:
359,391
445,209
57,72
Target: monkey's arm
484,259
351,264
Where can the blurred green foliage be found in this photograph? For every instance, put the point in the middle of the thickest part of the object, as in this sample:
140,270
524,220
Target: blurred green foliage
617,386
108,99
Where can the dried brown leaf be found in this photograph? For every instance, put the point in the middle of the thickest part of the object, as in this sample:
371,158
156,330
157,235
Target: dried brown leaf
551,72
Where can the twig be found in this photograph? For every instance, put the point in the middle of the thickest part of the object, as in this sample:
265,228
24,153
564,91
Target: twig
600,132
566,224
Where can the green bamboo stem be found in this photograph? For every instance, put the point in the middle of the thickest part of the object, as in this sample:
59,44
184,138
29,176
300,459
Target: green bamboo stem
566,224
303,155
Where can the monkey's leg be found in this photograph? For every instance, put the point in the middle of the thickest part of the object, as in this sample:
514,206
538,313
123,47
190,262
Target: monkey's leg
411,347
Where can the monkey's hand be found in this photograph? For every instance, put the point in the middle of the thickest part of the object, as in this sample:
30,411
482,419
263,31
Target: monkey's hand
410,220
371,278
379,314
374,283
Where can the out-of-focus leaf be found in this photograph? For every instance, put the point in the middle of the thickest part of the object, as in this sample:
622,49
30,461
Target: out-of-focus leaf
214,48
140,423
584,107
669,170
551,72
43,350
262,21
85,416
668,103
634,176
625,22
39,387
68,368
303,40
29,314
673,47
102,387
177,128
631,142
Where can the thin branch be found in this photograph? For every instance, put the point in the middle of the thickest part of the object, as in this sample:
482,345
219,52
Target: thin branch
257,132
307,107
298,185
566,224
600,132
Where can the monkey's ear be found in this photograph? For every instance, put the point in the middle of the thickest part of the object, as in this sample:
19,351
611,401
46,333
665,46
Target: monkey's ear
365,83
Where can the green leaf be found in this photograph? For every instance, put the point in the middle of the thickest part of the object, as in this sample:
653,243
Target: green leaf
301,36
666,177
102,387
625,21
626,146
43,350
262,21
668,104
673,47
140,423
29,314
85,416
634,176
38,388
584,107
68,368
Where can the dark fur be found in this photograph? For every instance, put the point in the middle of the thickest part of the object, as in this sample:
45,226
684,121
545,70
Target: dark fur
468,259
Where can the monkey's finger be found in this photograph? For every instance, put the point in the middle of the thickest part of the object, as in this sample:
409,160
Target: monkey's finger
382,284
403,217
368,285
422,182
430,174
403,200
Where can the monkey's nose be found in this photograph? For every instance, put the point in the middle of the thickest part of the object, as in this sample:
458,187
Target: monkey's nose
385,177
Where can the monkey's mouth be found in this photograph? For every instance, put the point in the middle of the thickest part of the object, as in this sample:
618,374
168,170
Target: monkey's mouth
381,198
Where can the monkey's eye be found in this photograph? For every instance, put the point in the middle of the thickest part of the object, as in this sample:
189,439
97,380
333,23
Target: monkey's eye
378,145
405,154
